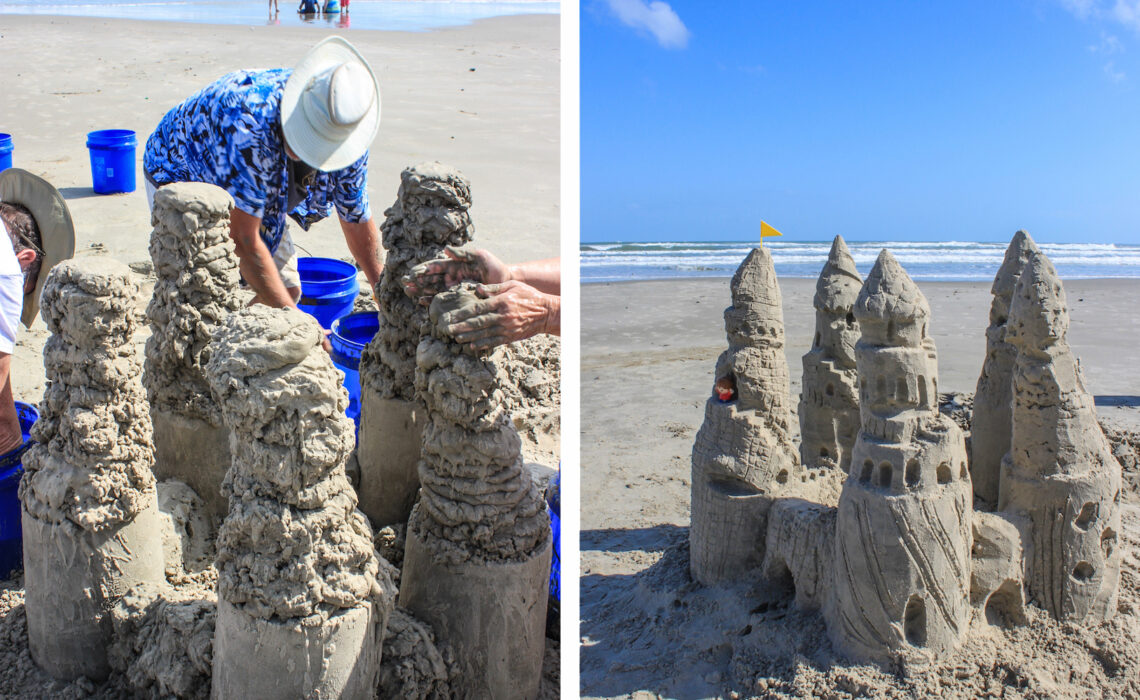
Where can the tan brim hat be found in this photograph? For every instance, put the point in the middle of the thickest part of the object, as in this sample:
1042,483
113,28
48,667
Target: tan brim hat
57,232
330,106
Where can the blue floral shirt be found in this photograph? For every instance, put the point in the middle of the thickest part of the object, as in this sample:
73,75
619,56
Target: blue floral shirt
229,135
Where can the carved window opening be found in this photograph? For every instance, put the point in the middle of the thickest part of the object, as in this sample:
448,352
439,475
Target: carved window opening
885,473
830,389
1084,571
944,473
1086,516
868,467
912,475
1108,542
922,390
914,621
816,343
850,320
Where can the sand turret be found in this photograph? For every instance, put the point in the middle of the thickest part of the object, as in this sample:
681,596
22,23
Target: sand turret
903,536
989,440
477,561
829,404
302,596
197,277
90,512
744,453
1060,475
430,213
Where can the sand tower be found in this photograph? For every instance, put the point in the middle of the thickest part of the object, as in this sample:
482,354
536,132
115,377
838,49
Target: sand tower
903,536
430,214
1059,475
90,512
302,602
197,275
477,561
989,439
744,452
829,405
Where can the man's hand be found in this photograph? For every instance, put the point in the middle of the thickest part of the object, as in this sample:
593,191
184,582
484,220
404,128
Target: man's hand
508,312
429,278
256,262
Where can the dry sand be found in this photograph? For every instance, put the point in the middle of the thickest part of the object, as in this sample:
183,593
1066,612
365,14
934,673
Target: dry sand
482,98
648,354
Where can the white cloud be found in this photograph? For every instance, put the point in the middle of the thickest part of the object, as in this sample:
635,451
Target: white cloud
1127,12
1109,44
1080,8
655,17
1116,76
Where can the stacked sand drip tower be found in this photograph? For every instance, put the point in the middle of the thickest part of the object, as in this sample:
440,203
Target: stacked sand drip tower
90,513
478,551
302,600
991,424
1060,475
197,275
903,536
744,453
430,213
829,405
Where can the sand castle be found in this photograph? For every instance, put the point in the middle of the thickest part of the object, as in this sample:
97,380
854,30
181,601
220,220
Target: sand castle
477,561
903,530
829,404
90,514
991,426
1059,475
744,453
302,599
197,277
903,565
430,213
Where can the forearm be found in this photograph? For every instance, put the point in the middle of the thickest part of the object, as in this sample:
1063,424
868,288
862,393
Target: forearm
553,323
10,437
363,241
255,261
543,275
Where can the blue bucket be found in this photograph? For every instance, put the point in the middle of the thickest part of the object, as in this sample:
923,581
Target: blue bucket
349,336
112,160
11,469
328,288
5,151
332,7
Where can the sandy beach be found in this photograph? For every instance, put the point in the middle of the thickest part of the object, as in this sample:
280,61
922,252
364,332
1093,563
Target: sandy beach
648,355
483,98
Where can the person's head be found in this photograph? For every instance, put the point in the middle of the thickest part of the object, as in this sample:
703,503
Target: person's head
39,228
26,241
330,107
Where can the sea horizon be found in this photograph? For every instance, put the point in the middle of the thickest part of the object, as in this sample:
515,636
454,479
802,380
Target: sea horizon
376,15
941,261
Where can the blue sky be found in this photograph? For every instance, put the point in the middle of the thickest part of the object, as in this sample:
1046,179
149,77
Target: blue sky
875,120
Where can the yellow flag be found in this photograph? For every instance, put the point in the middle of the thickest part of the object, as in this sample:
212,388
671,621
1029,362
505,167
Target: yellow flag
766,230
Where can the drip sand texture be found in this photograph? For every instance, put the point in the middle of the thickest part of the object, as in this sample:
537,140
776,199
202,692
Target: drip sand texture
430,214
302,597
829,404
90,511
744,453
197,276
989,439
477,561
904,530
1060,475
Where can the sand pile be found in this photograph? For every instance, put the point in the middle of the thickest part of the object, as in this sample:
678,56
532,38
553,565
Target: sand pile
478,553
530,375
296,567
90,512
195,290
430,213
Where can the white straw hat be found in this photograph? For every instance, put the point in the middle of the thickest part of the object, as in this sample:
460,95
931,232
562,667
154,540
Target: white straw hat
53,219
330,108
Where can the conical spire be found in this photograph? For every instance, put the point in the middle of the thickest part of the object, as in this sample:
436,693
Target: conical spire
839,282
1016,255
755,281
890,294
1038,313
